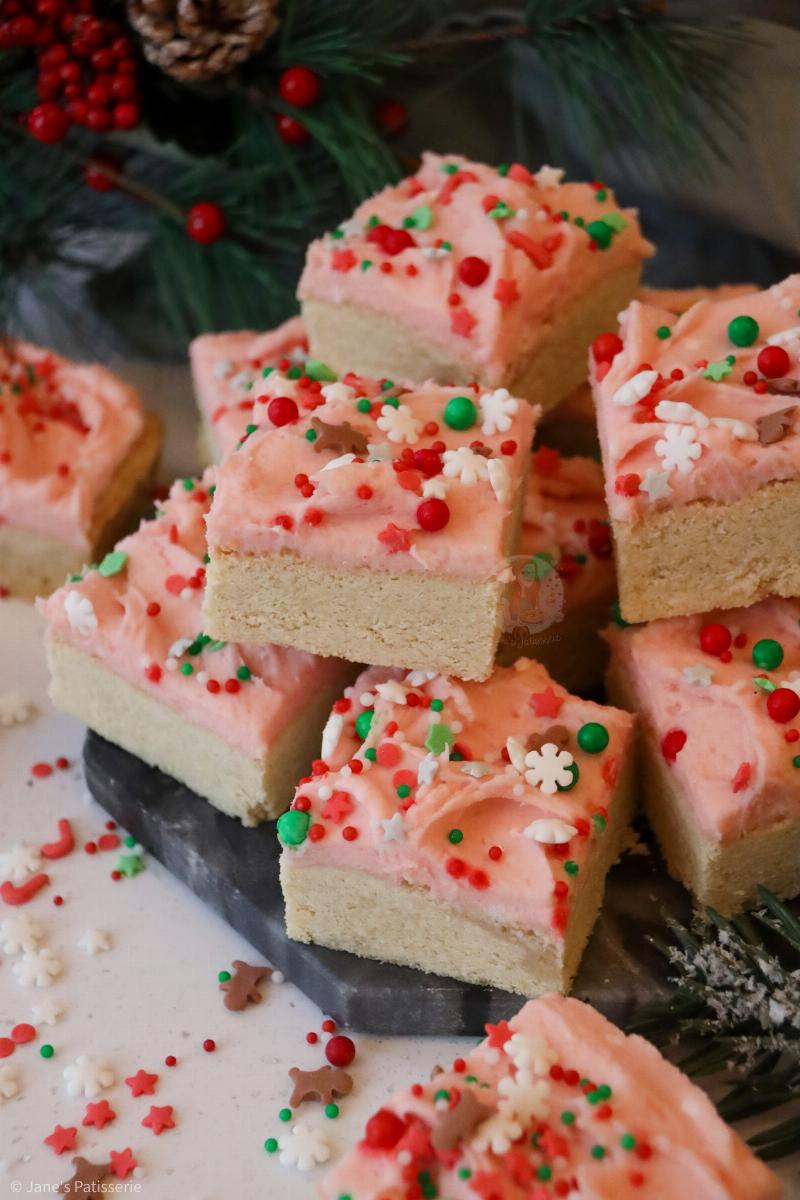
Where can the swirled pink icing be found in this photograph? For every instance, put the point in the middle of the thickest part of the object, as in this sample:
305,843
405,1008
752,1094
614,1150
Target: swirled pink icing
695,432
65,427
278,493
144,620
643,1131
227,370
735,768
457,825
539,262
565,522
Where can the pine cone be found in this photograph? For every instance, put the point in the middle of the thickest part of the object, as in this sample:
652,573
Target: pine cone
199,39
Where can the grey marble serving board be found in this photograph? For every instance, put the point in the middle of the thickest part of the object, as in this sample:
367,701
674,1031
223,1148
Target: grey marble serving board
235,871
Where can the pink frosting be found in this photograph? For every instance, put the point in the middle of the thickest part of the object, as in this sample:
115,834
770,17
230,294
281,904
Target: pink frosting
565,519
277,493
140,621
227,373
735,769
538,263
644,1132
486,799
64,430
646,467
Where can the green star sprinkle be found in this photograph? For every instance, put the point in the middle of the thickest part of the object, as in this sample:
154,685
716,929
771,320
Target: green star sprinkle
440,738
717,371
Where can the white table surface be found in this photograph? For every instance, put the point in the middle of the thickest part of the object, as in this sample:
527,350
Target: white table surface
155,992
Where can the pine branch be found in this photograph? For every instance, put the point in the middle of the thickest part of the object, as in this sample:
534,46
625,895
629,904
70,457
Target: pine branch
736,1011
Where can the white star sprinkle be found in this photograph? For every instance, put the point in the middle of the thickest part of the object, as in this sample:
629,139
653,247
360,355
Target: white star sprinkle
549,177
80,612
95,941
656,485
426,771
47,1011
9,1083
394,829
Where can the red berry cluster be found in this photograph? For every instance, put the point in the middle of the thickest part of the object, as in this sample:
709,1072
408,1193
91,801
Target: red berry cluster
86,66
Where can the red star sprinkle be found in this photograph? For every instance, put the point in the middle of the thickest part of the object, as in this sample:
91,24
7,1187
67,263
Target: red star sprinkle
98,1114
546,703
488,1185
498,1034
506,292
338,806
462,321
122,1162
394,538
159,1119
142,1084
343,260
62,1139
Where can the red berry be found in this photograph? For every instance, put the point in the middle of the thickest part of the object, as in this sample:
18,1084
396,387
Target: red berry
715,638
126,116
391,117
473,270
291,131
783,704
98,120
384,1130
299,86
17,32
340,1050
606,347
123,87
773,361
48,123
282,410
205,222
432,515
97,179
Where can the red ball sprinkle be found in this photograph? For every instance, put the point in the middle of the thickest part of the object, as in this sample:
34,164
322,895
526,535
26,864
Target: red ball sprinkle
340,1050
673,742
170,1060
715,638
209,1045
116,876
783,705
432,515
473,271
205,222
495,853
62,763
606,347
312,1038
328,1026
773,361
508,448
58,901
91,847
384,1130
153,609
41,770
349,833
6,1047
282,410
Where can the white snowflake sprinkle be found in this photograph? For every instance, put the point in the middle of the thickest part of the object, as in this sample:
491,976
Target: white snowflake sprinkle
88,1076
679,448
465,465
14,709
399,424
304,1147
47,1011
500,479
80,612
656,485
9,1083
19,861
548,768
394,828
524,1098
20,934
95,941
550,831
636,388
497,1133
497,409
531,1053
37,968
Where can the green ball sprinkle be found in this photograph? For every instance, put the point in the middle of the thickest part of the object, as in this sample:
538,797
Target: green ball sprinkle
403,791
580,222
796,760
601,194
571,867
224,976
767,654
285,1114
364,722
243,673
293,827
455,836
464,1173
47,1050
311,435
598,1151
441,1094
364,405
187,669
567,1117
437,705
188,484
743,331
627,1141
130,841
392,401
593,737
271,1145
332,1111
371,754
600,822
544,1172
575,773
604,1091
460,413
663,332
601,233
